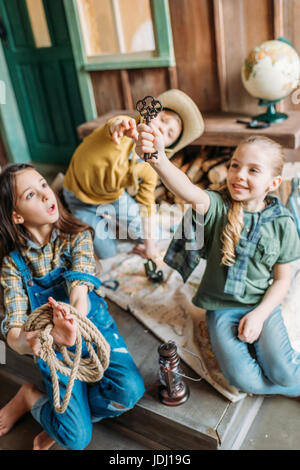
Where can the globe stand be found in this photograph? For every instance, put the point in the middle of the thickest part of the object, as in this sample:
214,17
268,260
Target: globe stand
271,115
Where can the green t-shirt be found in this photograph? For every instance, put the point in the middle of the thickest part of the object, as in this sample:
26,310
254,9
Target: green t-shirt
278,243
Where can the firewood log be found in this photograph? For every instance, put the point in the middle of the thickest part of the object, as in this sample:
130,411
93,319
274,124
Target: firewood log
195,168
208,164
198,176
179,201
177,160
185,167
218,173
159,191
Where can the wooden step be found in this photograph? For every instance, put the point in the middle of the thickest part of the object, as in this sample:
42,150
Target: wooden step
207,420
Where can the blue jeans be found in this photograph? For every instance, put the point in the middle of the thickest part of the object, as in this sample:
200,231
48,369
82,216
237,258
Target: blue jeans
274,368
118,391
124,212
121,385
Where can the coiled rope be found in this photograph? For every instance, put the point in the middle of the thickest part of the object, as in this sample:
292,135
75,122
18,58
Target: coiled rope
90,369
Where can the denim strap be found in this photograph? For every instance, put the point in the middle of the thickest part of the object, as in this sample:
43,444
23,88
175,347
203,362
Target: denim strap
21,265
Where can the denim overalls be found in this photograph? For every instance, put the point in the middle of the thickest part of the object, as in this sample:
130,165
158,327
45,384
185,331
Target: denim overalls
120,387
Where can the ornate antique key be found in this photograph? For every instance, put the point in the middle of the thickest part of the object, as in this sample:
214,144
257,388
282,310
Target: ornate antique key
149,107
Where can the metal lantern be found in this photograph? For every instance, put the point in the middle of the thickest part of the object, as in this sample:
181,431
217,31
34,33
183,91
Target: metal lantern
173,391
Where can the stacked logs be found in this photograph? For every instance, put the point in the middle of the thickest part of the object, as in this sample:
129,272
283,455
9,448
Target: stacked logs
206,168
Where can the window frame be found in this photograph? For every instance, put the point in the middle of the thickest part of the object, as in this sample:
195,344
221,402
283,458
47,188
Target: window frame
164,56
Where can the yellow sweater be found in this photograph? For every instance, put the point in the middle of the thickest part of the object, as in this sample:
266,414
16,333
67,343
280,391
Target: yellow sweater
100,170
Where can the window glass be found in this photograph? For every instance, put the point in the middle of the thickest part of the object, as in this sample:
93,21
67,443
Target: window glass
38,22
116,26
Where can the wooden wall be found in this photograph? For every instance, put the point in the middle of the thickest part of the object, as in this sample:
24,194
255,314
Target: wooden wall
3,157
211,39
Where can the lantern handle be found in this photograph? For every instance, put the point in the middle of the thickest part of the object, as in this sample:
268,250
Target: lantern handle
197,357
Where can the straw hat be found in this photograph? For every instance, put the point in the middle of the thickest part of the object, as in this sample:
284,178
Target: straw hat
184,106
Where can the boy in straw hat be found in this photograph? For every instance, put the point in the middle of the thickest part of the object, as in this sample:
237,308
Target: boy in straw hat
105,163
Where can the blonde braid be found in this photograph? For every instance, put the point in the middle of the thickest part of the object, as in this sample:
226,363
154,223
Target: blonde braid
232,231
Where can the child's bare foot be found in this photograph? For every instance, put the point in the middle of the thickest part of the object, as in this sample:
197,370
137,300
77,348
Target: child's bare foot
144,252
43,441
139,249
65,328
22,402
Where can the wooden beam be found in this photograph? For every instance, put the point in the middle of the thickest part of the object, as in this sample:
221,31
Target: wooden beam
278,18
221,52
278,25
126,89
221,129
173,77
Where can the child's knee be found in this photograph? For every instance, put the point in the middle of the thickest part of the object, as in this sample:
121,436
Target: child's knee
75,437
283,376
131,391
126,389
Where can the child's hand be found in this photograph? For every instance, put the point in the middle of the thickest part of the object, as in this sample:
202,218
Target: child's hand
124,127
30,339
59,311
150,140
64,331
250,327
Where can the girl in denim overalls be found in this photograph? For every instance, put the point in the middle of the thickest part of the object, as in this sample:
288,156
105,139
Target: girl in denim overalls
46,253
250,238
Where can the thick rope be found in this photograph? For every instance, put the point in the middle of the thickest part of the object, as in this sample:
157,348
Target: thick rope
90,369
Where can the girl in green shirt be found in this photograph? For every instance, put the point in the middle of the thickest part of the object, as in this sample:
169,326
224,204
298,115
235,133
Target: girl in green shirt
249,240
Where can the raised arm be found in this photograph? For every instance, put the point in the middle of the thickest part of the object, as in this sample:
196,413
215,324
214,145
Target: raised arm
151,140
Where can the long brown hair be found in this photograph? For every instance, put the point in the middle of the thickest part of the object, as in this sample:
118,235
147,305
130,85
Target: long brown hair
14,236
233,229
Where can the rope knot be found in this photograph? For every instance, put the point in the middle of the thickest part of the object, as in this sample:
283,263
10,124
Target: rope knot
87,369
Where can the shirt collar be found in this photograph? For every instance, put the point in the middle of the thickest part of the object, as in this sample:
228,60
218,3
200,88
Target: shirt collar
36,246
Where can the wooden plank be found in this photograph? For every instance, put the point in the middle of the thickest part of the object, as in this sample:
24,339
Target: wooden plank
204,421
127,96
148,82
278,20
222,129
102,82
221,52
287,17
3,156
194,44
237,421
242,25
173,77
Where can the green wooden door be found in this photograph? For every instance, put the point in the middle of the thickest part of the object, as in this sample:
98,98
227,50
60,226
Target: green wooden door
44,79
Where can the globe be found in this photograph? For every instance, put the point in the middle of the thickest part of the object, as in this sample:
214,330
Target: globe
270,73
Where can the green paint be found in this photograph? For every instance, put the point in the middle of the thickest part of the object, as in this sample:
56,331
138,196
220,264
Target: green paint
130,64
11,128
84,79
164,55
44,81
